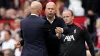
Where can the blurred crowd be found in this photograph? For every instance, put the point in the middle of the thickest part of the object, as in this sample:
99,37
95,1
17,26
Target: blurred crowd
19,9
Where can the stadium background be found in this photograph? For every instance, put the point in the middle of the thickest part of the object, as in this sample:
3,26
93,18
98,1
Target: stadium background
87,12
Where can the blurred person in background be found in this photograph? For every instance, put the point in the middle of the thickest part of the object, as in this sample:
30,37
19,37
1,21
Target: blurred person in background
52,21
87,5
26,4
18,39
94,5
43,2
91,5
1,35
11,14
17,25
7,26
59,8
90,22
27,11
1,27
98,33
20,13
8,52
8,43
76,7
2,13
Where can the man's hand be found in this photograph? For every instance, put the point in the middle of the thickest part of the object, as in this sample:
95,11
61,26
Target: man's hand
59,30
58,35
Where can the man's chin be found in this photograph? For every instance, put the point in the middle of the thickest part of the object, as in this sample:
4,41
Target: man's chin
50,16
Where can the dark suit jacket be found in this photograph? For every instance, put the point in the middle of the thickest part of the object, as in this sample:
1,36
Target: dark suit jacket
33,34
52,42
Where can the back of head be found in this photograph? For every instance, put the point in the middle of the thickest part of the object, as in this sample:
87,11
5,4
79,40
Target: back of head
36,7
8,52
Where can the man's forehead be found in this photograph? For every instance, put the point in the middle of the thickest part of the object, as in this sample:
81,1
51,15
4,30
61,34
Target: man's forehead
51,6
66,13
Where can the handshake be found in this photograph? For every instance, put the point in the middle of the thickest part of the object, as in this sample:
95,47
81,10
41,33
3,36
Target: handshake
59,31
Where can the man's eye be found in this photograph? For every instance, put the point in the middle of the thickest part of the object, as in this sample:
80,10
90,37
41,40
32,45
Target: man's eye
48,8
52,8
67,16
63,16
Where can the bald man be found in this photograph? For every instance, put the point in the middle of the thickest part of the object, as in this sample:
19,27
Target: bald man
32,28
52,21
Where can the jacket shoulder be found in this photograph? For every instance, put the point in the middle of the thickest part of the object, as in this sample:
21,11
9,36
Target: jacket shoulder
79,25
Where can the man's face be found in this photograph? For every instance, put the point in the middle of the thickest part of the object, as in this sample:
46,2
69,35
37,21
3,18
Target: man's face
7,36
67,16
2,11
17,38
50,11
7,27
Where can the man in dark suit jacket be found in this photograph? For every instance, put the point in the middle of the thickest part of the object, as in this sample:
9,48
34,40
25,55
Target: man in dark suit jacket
52,21
33,32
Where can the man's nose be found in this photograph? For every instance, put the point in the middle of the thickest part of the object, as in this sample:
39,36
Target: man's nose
50,10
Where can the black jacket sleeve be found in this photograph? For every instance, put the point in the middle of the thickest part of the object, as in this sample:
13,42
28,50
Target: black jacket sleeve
52,36
89,41
61,24
62,38
65,30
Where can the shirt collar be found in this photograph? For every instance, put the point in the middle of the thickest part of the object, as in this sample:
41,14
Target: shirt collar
52,20
34,14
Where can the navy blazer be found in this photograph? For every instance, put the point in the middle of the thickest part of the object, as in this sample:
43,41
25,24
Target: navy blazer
33,34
